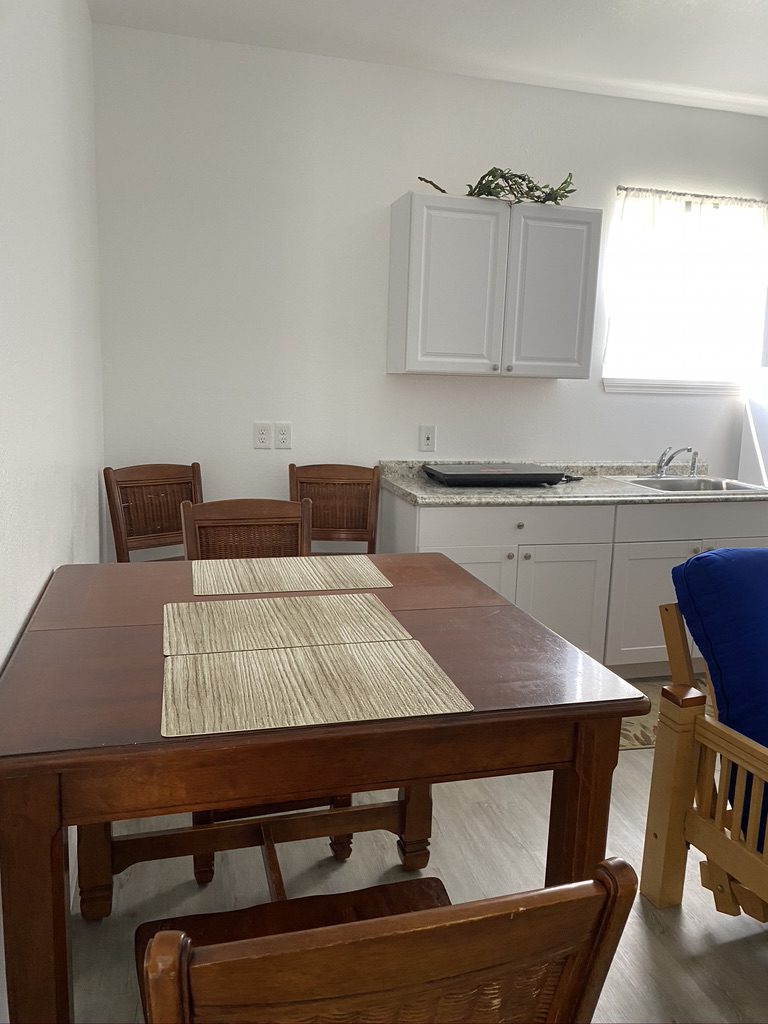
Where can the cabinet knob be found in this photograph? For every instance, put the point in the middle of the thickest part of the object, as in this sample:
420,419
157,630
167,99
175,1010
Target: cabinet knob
511,554
695,551
527,556
495,367
509,368
520,526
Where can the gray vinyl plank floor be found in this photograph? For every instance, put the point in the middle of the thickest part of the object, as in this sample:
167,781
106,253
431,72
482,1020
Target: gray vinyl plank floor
684,964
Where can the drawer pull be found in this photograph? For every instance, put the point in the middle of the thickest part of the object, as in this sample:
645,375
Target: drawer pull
495,367
511,554
520,526
695,551
528,556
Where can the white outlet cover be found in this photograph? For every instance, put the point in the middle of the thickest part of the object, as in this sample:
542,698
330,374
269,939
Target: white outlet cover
262,435
283,435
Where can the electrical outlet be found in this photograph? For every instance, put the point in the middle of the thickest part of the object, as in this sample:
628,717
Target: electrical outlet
427,438
283,435
262,435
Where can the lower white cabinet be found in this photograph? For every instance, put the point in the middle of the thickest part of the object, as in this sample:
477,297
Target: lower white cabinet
494,565
594,574
566,587
642,580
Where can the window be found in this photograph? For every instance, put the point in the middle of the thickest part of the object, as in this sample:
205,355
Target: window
686,280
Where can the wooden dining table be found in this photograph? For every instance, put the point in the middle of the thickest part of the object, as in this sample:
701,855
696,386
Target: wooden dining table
80,744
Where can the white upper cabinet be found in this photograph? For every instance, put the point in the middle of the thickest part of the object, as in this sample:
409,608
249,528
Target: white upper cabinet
481,287
448,268
551,285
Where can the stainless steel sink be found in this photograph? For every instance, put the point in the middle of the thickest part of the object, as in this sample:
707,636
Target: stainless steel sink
693,484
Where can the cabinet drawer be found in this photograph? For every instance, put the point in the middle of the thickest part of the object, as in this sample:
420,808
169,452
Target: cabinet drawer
521,524
694,519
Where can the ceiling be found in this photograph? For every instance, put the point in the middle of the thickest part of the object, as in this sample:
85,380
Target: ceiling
708,53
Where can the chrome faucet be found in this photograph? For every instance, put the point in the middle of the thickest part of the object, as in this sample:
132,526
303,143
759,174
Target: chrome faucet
665,458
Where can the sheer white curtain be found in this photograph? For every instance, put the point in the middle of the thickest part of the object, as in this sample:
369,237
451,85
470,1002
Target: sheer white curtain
686,281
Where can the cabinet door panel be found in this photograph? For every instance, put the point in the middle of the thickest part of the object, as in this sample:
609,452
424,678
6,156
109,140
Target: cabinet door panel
492,565
641,580
552,281
565,586
458,263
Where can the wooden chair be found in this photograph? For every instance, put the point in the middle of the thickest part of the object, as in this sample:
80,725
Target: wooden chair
252,528
231,529
246,528
345,500
238,528
144,504
392,953
145,508
709,789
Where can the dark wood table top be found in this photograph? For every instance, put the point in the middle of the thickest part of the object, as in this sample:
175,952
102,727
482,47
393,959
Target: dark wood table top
87,674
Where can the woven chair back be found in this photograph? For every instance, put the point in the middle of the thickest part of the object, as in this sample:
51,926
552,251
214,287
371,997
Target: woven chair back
345,500
145,504
246,528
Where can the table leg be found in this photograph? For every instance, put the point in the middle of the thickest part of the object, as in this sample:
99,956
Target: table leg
94,870
341,846
581,800
35,887
413,844
203,863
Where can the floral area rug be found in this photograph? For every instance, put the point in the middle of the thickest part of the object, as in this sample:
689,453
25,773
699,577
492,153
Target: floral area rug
639,733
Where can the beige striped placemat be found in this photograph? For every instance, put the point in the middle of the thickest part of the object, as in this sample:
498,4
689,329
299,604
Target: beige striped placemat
208,627
275,575
299,686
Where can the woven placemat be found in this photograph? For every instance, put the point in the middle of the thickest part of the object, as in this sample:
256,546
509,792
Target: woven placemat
209,627
276,575
299,686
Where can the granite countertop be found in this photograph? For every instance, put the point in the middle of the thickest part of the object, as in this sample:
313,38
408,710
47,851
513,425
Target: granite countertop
604,483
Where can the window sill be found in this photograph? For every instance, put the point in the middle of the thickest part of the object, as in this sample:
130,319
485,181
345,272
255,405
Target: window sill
636,386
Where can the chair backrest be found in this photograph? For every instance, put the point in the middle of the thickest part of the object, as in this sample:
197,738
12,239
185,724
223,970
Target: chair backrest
246,528
145,501
345,500
723,597
537,956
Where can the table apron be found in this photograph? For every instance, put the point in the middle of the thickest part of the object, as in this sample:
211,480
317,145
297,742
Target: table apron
157,782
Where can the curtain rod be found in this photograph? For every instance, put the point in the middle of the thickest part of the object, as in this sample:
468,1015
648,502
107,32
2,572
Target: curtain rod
689,195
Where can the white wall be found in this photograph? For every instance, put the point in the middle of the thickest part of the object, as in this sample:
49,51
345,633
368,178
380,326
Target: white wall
244,200
50,371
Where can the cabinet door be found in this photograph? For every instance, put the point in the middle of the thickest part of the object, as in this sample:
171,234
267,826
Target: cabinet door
641,580
492,565
551,287
457,267
565,586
